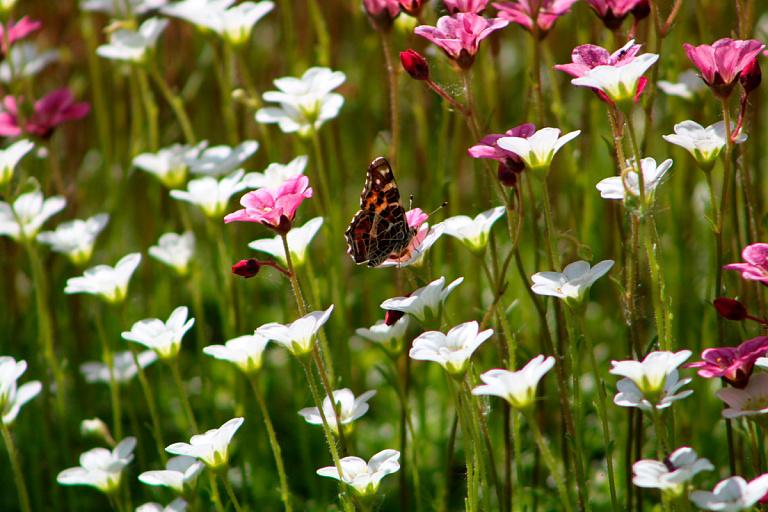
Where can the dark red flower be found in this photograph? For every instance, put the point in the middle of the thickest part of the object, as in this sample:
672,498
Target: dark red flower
415,65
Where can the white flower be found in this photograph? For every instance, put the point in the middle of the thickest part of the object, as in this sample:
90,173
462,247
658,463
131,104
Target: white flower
275,174
305,102
219,160
619,83
162,337
414,253
236,23
518,388
32,212
100,467
752,401
212,447
10,156
424,301
364,478
96,428
687,87
652,382
75,238
196,12
12,398
732,494
538,150
210,195
473,232
299,336
298,241
177,505
121,8
704,144
180,474
671,475
244,351
350,409
175,250
26,60
627,186
452,351
388,336
133,46
111,284
124,367
573,284
169,165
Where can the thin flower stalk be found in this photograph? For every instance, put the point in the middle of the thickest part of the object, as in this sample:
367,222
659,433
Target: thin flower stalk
724,200
469,452
109,359
226,293
150,107
254,98
394,104
231,492
18,473
176,103
183,395
224,79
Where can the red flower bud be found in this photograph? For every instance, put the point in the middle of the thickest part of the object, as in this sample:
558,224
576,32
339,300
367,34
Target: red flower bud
392,316
730,309
641,10
412,7
415,65
507,176
247,268
751,76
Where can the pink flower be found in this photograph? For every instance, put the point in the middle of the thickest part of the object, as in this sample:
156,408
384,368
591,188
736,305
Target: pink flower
613,12
17,31
275,208
733,364
49,112
523,12
420,243
487,147
412,7
722,63
457,6
756,266
382,13
459,35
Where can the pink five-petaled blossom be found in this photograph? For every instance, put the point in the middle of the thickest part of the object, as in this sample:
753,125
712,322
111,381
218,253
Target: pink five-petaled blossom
721,64
49,112
17,31
523,12
459,35
510,164
733,364
457,6
613,12
756,266
275,208
382,13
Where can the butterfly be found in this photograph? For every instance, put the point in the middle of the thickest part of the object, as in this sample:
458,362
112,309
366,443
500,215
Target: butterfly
380,229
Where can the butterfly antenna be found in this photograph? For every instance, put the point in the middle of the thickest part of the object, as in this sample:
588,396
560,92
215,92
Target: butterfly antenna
410,206
439,208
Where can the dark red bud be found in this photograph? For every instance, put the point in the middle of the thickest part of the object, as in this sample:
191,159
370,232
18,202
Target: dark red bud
641,10
730,309
507,176
751,76
247,268
392,316
415,65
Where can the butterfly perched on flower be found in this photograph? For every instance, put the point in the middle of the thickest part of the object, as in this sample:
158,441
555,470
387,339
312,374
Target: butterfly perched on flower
380,229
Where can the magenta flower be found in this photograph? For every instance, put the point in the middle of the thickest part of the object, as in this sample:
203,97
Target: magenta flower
523,12
459,35
17,31
49,112
722,63
613,12
412,7
511,162
382,13
756,266
275,208
733,364
457,6
421,242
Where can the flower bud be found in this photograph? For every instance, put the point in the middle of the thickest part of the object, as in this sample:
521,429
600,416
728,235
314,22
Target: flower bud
507,176
750,77
730,309
412,7
641,10
247,268
415,65
392,316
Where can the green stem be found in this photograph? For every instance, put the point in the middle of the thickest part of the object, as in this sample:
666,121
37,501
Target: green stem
466,429
554,259
255,100
549,460
114,387
215,493
176,103
183,395
394,105
662,445
226,302
724,199
150,106
224,79
230,491
658,313
323,36
293,277
322,177
18,474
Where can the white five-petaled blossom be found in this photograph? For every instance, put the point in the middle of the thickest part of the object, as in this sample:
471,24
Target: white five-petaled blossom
180,474
687,87
298,337
390,337
473,233
627,186
123,365
305,103
453,350
100,467
364,478
671,475
220,160
752,401
212,447
425,303
177,505
732,494
210,195
704,144
169,165
32,211
121,8
196,12
275,174
573,284
13,397
235,24
10,156
538,150
75,238
246,352
162,337
133,46
27,61
298,241
518,388
174,250
619,83
109,283
350,409
654,382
